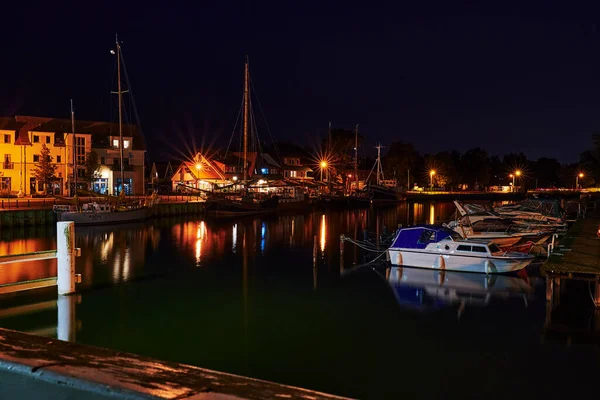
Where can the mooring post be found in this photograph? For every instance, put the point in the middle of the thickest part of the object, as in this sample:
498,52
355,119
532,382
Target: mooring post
549,288
315,252
597,294
66,318
341,253
65,255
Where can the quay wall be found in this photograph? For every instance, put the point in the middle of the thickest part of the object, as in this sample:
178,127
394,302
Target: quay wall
449,196
29,217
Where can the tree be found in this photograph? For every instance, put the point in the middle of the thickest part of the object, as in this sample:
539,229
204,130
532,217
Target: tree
44,169
399,159
92,167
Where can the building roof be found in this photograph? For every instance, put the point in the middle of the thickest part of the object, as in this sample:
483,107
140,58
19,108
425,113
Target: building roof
164,169
100,131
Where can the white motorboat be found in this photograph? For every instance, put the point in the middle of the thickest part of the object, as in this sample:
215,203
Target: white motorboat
439,247
100,214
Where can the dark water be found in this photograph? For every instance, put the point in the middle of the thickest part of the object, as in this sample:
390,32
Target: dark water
243,297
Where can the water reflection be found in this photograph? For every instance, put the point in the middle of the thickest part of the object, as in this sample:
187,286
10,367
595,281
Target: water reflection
425,289
323,234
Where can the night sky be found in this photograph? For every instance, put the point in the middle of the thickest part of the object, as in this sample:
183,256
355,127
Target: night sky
505,78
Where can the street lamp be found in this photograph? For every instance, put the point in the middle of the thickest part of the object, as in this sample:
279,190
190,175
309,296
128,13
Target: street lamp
323,166
198,166
579,175
517,173
431,174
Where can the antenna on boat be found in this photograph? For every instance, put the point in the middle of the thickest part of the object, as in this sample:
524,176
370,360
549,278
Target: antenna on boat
74,150
356,158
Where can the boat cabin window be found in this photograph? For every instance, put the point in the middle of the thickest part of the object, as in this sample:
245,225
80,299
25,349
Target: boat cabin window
463,247
479,249
493,248
426,237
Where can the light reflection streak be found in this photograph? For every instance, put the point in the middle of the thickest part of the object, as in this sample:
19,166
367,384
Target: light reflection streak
234,238
322,239
431,214
263,230
200,235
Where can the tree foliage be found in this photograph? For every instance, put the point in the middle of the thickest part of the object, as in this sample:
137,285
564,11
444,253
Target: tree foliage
92,166
44,169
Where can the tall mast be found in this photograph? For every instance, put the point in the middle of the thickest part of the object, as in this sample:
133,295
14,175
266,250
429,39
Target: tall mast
120,112
328,152
356,158
74,149
380,176
246,105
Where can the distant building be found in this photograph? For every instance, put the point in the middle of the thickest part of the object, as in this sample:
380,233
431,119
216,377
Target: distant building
22,138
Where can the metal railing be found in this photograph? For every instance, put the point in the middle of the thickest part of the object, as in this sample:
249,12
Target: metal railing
65,253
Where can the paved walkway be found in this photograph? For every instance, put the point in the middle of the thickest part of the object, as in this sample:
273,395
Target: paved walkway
38,367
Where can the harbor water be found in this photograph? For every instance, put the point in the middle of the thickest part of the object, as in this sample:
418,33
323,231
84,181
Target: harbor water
247,297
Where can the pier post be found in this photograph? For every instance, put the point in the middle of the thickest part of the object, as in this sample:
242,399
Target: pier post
315,251
65,255
549,289
65,329
597,294
341,253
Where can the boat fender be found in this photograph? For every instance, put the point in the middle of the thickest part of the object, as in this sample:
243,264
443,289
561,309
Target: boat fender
439,263
398,260
490,268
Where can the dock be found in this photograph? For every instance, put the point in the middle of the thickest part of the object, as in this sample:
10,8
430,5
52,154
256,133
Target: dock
572,273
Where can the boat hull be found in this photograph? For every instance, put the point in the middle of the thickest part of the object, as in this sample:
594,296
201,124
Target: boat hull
454,262
105,218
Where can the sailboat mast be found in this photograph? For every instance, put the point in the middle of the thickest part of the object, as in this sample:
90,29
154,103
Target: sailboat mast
120,93
356,158
246,105
74,149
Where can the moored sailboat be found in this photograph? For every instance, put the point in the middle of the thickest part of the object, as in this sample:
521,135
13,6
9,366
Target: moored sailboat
106,213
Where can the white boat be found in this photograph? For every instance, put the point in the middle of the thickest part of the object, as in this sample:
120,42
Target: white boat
439,247
100,214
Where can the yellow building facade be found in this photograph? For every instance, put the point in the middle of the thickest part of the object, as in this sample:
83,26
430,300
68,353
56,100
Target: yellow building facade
21,141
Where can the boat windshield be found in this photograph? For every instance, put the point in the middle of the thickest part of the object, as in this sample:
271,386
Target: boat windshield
493,248
455,236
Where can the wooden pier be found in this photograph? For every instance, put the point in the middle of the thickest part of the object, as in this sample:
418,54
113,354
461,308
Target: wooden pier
572,275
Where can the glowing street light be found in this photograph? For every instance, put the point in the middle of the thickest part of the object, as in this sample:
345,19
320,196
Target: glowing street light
431,174
323,165
198,166
517,173
579,175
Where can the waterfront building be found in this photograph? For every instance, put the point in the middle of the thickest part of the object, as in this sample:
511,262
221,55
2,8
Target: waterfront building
21,140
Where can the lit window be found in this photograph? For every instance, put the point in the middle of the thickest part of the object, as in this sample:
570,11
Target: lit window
116,143
125,144
263,171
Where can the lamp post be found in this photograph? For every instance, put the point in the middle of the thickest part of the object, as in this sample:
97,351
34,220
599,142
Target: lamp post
517,173
431,174
323,166
579,175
